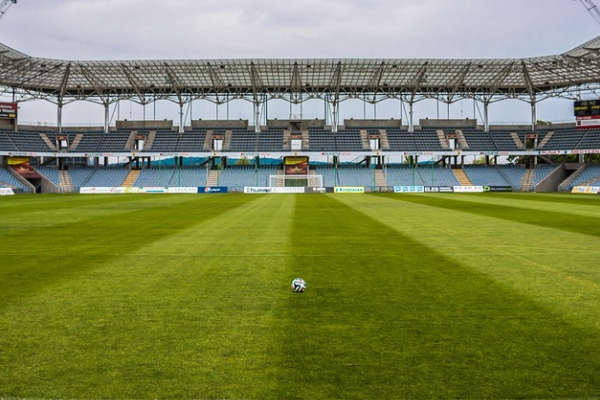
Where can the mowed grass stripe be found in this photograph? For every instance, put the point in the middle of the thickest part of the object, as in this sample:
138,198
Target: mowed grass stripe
43,254
585,224
21,213
538,202
387,317
190,315
554,268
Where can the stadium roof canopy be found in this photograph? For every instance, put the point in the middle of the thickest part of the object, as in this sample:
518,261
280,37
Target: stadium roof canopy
296,80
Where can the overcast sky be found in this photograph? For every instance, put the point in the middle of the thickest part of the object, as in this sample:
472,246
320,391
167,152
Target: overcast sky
205,29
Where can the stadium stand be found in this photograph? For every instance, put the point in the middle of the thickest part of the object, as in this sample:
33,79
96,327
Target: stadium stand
7,180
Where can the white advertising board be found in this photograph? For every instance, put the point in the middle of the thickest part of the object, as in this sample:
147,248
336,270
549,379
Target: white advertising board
257,190
468,189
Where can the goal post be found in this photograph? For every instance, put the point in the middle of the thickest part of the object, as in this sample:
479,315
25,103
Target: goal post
296,181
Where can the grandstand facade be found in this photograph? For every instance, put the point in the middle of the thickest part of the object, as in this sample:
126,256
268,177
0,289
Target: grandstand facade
384,153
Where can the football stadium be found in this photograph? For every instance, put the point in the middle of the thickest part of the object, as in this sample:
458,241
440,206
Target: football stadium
300,258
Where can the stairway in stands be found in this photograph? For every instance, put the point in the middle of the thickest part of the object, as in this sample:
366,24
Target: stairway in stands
380,180
462,178
213,178
65,181
131,178
527,180
545,139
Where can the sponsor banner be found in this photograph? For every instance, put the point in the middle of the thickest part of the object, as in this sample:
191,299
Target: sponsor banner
105,190
439,189
6,192
586,151
409,189
315,190
586,189
18,160
94,190
349,189
468,189
497,189
213,189
588,121
8,110
154,190
189,190
132,190
290,190
257,190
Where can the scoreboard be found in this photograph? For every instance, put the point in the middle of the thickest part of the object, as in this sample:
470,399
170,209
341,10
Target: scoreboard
587,113
588,107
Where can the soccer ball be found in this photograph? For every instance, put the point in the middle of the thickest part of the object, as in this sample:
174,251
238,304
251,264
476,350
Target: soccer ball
298,285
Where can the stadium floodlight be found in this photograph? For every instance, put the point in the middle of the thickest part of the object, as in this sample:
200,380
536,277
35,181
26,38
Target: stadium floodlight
592,9
5,5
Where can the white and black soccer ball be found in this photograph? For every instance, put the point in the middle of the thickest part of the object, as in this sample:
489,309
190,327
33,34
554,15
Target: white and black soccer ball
298,285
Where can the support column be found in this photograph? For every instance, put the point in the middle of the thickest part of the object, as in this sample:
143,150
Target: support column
533,113
486,117
411,125
59,116
256,116
106,116
334,123
181,127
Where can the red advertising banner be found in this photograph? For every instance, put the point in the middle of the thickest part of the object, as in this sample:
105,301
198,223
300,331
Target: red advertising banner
8,110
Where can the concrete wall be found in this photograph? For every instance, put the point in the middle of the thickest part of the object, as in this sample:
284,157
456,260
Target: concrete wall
166,124
448,123
373,123
551,182
215,124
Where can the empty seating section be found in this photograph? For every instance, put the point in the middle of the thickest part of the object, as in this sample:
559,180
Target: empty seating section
349,139
481,175
437,176
504,141
321,140
513,174
401,140
90,142
590,140
192,141
6,142
80,176
356,176
243,140
8,180
542,171
155,177
236,177
589,177
107,177
427,140
479,140
563,139
51,173
402,175
330,175
27,140
271,140
165,141
189,177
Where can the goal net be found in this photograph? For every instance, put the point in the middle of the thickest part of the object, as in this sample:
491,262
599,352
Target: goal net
296,181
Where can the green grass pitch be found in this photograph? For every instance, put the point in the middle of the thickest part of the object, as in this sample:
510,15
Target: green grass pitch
409,296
